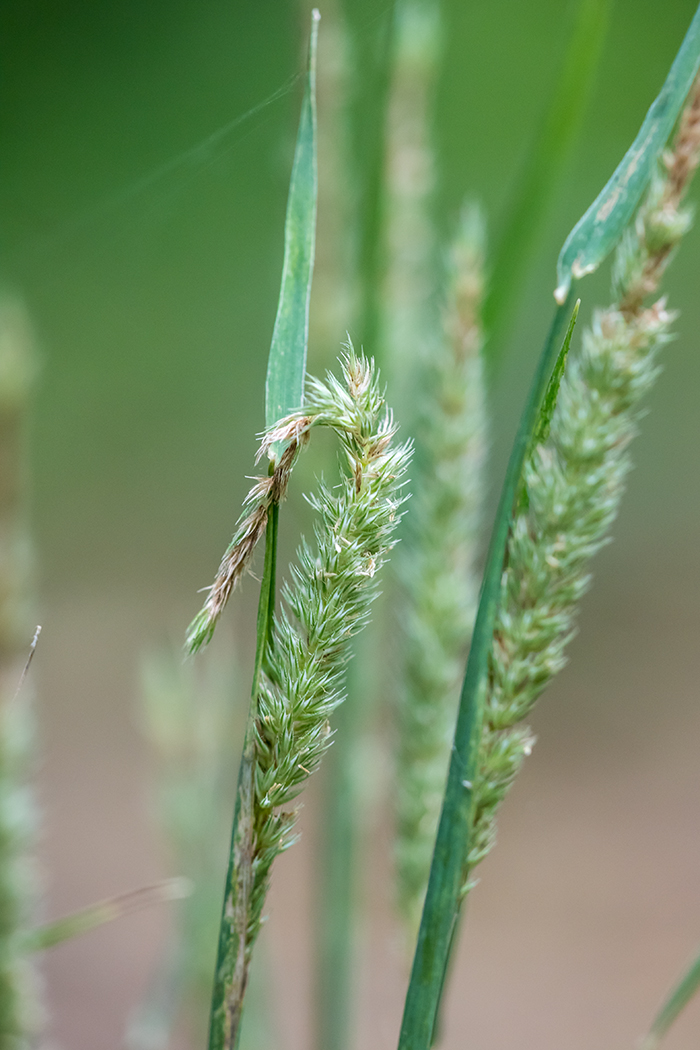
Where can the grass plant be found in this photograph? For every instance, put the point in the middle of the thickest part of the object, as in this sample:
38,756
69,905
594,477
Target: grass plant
483,764
298,679
429,314
560,496
334,309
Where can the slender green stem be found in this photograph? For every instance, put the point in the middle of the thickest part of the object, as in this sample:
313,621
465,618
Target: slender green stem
441,910
336,911
332,314
231,976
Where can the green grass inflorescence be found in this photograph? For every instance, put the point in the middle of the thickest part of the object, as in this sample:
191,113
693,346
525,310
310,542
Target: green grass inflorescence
574,480
326,602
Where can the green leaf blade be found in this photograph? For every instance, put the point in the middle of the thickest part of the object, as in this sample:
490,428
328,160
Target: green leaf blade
284,393
590,241
598,231
286,366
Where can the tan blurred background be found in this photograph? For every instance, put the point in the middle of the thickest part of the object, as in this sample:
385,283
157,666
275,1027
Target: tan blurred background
151,279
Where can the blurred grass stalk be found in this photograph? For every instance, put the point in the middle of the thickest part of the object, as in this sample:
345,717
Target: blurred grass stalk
370,37
397,206
435,374
334,308
438,565
20,1014
679,997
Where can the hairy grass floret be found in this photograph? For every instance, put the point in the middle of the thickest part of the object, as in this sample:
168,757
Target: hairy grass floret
325,604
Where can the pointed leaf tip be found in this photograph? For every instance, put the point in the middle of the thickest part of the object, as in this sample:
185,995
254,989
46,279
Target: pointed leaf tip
286,366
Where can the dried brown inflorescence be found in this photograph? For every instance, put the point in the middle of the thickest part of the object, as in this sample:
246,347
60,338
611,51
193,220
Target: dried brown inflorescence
266,491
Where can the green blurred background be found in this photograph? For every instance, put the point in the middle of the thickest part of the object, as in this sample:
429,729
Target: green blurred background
151,272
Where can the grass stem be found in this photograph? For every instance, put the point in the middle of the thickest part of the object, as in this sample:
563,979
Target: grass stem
232,964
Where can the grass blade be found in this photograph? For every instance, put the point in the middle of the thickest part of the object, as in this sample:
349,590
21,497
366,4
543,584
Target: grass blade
598,231
231,973
441,910
544,166
678,999
549,401
284,394
286,365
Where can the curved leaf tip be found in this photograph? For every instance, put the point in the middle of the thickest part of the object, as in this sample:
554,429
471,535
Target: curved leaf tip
598,231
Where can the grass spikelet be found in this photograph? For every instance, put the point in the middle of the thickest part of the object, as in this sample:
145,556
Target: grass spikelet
574,480
325,603
437,564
